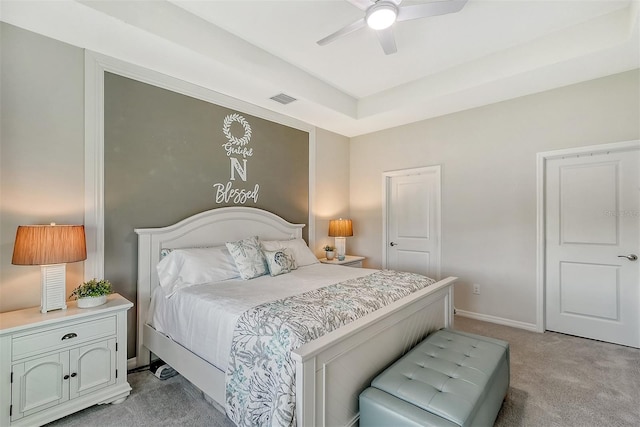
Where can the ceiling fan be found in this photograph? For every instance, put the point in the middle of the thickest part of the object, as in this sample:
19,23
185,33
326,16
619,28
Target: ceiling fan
380,15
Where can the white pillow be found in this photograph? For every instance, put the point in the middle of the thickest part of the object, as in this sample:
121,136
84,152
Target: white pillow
280,261
301,251
247,254
195,266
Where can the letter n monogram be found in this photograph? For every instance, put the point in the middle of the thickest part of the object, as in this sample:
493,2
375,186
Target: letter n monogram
236,167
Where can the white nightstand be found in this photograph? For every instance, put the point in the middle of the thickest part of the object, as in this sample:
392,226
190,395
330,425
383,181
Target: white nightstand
57,363
349,261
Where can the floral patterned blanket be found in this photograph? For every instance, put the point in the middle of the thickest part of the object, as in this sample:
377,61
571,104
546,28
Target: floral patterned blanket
260,379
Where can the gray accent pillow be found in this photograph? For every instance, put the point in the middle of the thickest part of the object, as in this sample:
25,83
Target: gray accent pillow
280,261
298,247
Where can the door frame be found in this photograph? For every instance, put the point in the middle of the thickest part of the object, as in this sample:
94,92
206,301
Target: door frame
541,165
386,179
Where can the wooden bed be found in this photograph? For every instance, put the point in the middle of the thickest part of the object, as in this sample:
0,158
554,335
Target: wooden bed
330,371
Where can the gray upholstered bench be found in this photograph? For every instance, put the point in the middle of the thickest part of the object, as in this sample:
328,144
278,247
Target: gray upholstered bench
451,379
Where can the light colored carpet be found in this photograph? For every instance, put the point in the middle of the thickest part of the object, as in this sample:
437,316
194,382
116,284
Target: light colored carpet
561,380
171,402
556,380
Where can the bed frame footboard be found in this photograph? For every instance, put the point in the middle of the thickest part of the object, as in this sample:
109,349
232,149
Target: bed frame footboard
332,371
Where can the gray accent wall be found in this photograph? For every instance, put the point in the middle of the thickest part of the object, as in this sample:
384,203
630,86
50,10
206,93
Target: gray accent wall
165,160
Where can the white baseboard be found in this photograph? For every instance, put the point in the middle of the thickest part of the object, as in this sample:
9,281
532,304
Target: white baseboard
132,363
499,320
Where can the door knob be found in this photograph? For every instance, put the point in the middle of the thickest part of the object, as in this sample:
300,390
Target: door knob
393,243
631,257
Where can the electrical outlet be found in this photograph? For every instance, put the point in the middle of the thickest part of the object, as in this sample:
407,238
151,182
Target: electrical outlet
476,289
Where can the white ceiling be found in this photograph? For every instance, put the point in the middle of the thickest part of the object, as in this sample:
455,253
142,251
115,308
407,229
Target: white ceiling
252,50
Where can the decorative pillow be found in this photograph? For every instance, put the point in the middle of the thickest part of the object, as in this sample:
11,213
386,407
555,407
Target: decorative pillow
164,252
280,261
292,258
299,248
247,254
194,266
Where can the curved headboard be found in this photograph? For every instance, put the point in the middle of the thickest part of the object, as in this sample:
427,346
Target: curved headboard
210,228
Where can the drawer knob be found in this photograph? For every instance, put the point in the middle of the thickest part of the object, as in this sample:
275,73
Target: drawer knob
69,336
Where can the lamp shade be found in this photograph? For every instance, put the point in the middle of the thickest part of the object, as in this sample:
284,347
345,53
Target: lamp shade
340,228
49,244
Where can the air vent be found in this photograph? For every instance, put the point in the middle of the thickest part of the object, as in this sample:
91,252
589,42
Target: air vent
283,98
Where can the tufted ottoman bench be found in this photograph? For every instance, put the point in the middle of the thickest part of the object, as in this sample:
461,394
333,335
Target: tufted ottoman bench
451,379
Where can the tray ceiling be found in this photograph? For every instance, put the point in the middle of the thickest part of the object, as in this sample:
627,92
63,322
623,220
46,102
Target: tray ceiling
252,50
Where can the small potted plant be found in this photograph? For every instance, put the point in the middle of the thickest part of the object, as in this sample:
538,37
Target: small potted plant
92,293
330,252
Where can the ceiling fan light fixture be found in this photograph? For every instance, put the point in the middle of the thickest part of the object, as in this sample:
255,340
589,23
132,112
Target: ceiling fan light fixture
381,15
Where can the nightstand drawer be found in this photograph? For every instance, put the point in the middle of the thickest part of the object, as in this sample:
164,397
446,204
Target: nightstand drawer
348,261
32,344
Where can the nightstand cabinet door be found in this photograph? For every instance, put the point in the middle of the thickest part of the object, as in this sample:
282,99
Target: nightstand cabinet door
95,367
38,384
50,380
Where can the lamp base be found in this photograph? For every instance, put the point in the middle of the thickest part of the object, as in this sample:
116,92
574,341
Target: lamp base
53,280
341,247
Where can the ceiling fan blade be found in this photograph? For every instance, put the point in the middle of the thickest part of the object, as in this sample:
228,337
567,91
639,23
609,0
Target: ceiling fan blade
354,26
387,40
362,4
407,13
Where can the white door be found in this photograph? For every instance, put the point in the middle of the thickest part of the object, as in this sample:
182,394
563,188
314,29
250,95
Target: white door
412,221
592,244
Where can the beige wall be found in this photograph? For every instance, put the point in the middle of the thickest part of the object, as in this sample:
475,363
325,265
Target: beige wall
488,158
42,151
332,184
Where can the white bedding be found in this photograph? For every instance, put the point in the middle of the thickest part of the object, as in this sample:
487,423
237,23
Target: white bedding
202,318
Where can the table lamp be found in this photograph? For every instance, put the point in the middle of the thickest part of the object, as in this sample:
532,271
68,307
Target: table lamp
340,228
50,247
